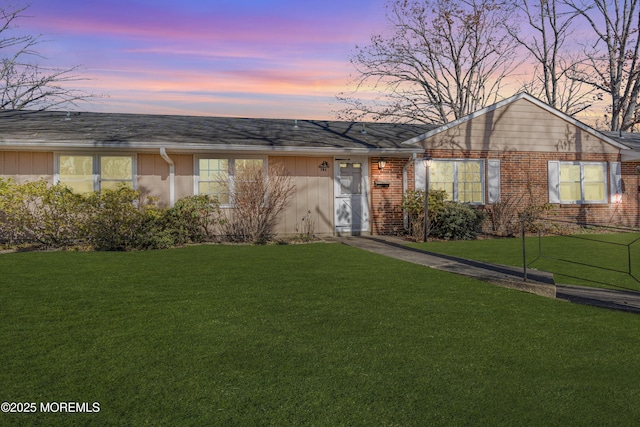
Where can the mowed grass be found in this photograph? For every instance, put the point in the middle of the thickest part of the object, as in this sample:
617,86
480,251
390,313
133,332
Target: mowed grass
600,260
319,334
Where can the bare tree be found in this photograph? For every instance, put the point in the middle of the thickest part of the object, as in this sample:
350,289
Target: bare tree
612,64
259,198
23,82
545,40
442,60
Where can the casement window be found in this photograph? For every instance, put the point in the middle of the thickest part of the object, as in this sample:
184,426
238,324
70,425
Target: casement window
578,182
462,180
85,173
217,176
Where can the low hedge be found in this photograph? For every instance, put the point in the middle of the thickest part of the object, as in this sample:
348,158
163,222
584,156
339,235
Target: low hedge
52,216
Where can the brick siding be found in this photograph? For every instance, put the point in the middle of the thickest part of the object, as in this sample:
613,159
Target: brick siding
523,179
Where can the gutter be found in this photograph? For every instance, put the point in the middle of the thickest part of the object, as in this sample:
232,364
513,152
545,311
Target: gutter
172,176
187,148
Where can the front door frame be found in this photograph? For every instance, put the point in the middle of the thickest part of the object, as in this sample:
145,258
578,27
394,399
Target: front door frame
362,223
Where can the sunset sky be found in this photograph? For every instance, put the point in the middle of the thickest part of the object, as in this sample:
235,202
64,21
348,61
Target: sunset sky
248,58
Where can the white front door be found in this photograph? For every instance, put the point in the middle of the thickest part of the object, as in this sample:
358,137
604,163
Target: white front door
351,196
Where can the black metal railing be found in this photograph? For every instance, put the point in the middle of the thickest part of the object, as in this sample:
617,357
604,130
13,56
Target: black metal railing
587,234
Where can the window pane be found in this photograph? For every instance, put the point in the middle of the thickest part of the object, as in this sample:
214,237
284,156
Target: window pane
447,187
582,182
113,185
594,192
248,163
569,172
593,173
214,169
116,168
79,186
345,184
441,171
76,167
219,190
76,172
441,177
469,181
570,191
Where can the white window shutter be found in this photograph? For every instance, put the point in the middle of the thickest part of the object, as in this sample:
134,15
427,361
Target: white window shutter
615,181
554,181
493,177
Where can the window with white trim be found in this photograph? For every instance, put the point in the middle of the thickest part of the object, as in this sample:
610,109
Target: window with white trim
462,180
85,173
216,176
577,182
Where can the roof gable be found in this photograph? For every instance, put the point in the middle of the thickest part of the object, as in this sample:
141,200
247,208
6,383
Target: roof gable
512,100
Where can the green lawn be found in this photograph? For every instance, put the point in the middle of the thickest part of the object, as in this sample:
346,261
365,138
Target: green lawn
600,260
319,334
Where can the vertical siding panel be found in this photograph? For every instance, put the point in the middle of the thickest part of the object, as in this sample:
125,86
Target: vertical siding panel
148,184
25,163
313,190
184,175
324,217
302,189
11,164
289,210
26,166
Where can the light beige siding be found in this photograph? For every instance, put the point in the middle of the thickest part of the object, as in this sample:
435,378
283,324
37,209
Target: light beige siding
518,126
314,192
26,166
184,174
153,176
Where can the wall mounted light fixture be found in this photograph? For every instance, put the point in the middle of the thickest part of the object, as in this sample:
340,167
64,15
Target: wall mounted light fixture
324,166
382,163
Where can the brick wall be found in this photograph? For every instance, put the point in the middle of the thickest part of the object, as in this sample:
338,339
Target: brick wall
386,214
523,178
629,209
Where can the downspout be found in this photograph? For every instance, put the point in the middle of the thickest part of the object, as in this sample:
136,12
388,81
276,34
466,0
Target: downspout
405,186
172,176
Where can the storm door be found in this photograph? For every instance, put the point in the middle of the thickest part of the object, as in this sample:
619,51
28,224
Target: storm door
351,196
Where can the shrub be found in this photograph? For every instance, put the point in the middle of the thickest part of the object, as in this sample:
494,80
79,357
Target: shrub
112,220
305,227
457,221
413,205
192,219
115,219
447,220
36,212
258,200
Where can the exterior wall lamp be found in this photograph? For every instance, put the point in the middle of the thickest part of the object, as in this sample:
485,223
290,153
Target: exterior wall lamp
427,165
382,163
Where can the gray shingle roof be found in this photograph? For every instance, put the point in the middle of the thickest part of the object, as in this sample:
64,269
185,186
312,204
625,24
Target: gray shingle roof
630,139
75,130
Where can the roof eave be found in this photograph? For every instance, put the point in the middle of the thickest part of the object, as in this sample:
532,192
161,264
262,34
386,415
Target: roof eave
33,145
629,155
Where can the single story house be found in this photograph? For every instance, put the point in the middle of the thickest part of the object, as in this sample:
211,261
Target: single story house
350,176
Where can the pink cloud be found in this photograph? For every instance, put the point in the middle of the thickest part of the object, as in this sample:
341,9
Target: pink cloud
131,20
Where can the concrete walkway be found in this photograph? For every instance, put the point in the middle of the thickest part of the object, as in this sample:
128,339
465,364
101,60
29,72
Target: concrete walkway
538,282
